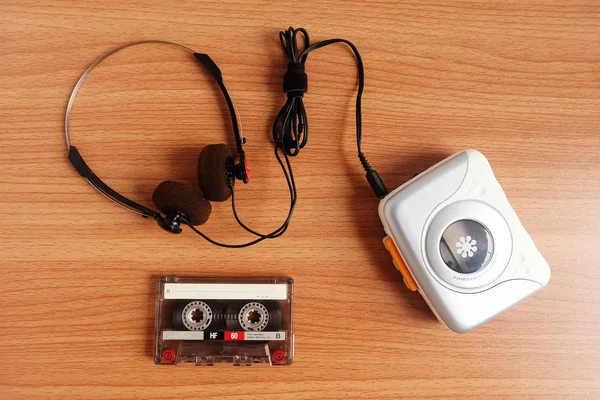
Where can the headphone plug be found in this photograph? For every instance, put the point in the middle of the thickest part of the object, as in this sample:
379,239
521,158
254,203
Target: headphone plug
373,178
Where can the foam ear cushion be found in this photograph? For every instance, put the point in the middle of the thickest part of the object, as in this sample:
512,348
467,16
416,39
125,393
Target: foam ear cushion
212,176
172,197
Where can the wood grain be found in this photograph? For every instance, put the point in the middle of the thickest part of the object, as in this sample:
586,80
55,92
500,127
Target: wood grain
518,80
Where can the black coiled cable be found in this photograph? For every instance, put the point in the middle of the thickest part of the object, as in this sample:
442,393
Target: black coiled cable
290,127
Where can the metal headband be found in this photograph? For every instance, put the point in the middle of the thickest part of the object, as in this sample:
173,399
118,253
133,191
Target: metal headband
82,168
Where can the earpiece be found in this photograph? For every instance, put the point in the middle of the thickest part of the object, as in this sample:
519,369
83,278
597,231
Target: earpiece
174,198
216,172
170,224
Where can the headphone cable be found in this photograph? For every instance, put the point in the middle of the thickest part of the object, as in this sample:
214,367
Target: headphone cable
290,127
289,176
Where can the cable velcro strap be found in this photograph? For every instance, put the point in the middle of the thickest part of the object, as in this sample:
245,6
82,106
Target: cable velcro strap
295,80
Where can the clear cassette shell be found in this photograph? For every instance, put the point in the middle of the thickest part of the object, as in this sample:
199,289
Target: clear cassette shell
211,320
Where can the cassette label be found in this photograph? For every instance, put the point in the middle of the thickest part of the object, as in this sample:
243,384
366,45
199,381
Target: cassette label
183,335
215,335
234,335
264,335
225,291
201,335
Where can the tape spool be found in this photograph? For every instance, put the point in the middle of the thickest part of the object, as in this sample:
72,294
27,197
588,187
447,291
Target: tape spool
253,316
196,315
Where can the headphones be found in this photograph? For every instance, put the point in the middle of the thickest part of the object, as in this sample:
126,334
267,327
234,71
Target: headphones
178,203
217,170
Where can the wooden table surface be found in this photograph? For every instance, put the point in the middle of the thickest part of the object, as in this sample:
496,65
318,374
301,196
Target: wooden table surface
518,80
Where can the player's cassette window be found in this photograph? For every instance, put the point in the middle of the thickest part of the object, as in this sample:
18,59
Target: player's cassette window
466,246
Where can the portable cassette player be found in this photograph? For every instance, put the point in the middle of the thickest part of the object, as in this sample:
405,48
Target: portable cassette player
456,239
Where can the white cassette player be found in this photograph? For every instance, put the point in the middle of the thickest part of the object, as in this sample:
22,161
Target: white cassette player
456,239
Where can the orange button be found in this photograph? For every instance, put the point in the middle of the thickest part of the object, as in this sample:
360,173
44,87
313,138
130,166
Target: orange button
399,263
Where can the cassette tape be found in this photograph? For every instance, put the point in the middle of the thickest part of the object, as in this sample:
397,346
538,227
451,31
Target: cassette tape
241,321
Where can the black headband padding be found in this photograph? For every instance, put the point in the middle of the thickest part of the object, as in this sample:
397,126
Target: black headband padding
212,171
173,197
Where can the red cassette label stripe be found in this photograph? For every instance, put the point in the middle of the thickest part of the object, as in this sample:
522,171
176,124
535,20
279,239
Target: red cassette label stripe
234,335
